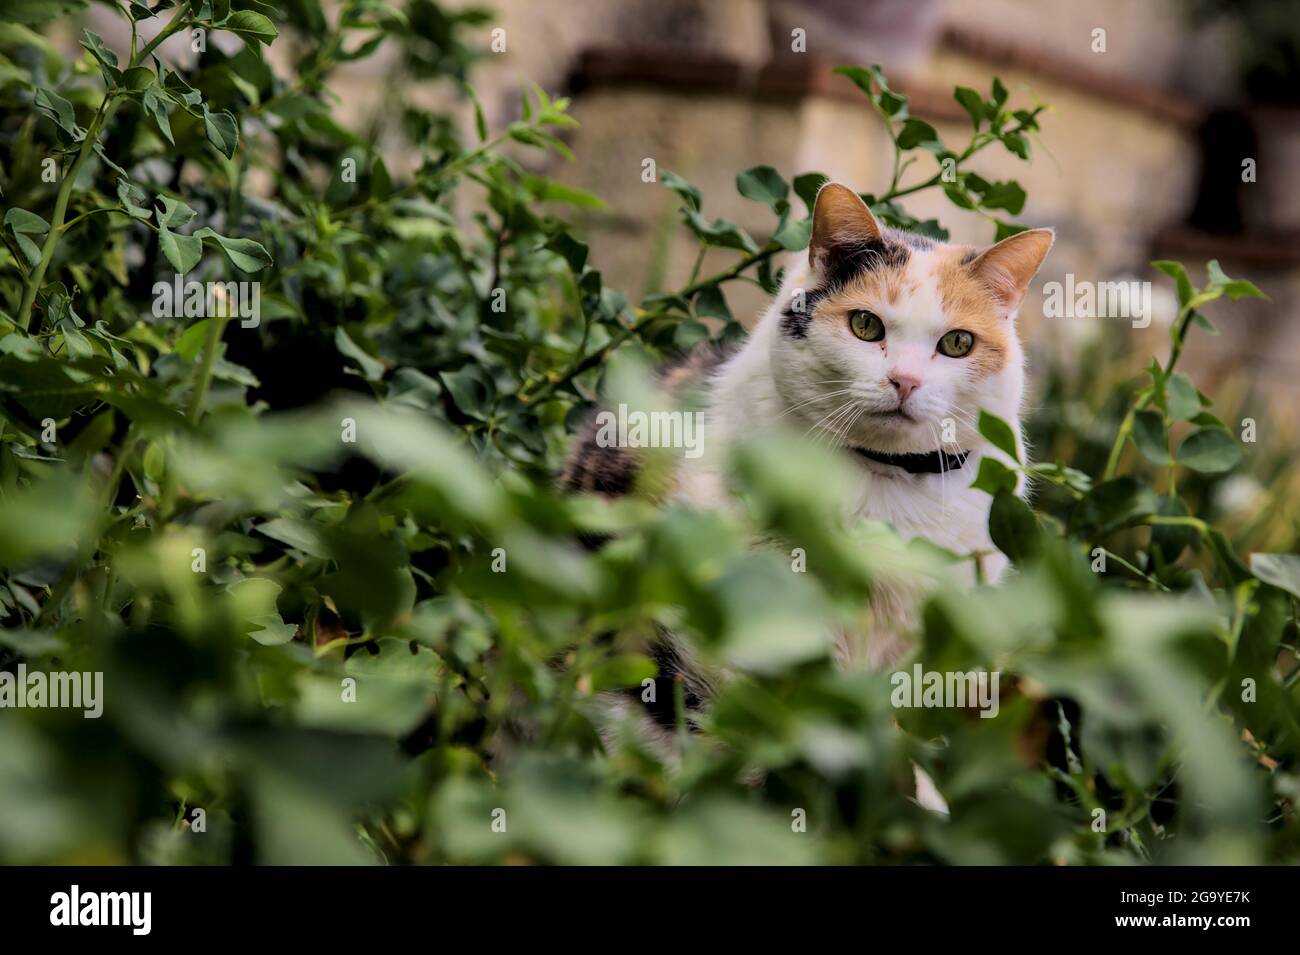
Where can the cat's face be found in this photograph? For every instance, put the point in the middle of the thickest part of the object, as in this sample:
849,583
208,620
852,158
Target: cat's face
897,342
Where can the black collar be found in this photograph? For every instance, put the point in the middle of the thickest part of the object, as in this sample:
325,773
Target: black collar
929,462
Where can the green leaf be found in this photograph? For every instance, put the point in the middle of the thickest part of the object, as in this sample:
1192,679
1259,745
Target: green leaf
26,223
1016,143
251,25
1149,436
1209,451
1176,271
182,251
137,79
54,107
1111,505
999,93
156,106
48,518
1013,527
862,78
371,368
719,232
999,434
1181,398
222,130
298,534
677,184
140,10
37,12
793,236
106,58
971,102
134,200
548,190
915,132
1233,288
480,122
763,184
471,389
711,303
108,160
1280,570
807,185
1170,540
570,249
247,255
270,630
994,476
191,340
872,82
958,196
997,195
1005,230
175,212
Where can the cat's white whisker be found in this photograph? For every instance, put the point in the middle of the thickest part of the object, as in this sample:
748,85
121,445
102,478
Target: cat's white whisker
835,432
816,398
823,426
943,474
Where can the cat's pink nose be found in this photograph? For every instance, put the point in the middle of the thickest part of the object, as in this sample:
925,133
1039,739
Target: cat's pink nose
905,383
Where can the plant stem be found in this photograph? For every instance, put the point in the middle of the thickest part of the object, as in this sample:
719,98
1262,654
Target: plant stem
1195,522
173,25
203,372
749,259
1126,426
60,210
86,215
590,361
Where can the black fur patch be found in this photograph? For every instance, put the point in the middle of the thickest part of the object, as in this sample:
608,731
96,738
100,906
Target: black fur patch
888,252
612,471
846,262
795,323
663,708
597,469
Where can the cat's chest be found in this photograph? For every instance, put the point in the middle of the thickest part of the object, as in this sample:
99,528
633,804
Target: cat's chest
941,508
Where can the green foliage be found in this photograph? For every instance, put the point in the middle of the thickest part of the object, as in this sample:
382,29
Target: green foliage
339,606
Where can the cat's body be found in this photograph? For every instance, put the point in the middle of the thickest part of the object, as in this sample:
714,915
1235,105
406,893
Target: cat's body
887,345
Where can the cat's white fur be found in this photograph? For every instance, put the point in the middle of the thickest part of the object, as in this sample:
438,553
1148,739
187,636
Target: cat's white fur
776,378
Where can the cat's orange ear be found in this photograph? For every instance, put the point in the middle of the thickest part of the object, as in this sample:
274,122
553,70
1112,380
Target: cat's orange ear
841,220
1006,269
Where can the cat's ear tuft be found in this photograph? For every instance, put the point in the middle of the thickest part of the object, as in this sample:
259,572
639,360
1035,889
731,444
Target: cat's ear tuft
1007,267
841,221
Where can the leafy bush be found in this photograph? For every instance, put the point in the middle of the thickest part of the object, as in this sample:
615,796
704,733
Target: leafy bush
280,541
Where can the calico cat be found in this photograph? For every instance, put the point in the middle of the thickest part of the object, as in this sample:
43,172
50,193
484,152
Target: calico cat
888,344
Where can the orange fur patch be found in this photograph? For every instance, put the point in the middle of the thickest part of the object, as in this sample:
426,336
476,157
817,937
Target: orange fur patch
967,304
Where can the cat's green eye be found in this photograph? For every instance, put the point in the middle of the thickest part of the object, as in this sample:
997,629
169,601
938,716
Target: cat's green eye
866,325
956,343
